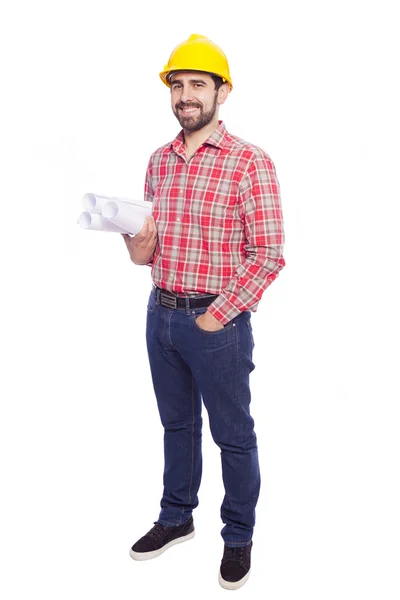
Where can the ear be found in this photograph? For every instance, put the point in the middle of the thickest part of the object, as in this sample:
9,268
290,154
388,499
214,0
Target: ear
223,93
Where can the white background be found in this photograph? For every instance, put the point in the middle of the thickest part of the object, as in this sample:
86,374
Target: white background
82,108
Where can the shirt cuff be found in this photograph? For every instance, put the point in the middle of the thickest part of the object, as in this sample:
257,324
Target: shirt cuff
223,310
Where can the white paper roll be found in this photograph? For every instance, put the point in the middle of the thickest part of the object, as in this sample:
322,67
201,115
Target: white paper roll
128,215
93,203
96,222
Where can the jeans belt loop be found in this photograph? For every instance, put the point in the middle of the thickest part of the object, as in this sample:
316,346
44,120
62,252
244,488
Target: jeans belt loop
187,305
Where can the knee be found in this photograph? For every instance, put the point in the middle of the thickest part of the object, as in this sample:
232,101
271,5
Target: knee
238,444
190,425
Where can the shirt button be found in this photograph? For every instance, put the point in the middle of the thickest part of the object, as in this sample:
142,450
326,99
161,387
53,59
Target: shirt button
178,219
174,247
181,191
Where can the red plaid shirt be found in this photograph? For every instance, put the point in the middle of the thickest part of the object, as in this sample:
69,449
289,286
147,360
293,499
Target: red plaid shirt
219,221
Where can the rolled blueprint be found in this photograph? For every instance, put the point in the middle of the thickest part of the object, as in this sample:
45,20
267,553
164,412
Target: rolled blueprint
95,221
128,215
93,203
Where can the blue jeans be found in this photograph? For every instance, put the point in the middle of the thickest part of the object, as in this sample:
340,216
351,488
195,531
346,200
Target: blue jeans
187,365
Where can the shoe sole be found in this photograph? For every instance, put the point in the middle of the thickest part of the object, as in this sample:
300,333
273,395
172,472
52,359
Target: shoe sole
233,585
155,553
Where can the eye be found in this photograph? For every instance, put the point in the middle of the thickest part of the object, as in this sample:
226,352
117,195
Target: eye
175,86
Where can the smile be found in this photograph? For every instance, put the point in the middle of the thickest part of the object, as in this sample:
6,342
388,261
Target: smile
189,109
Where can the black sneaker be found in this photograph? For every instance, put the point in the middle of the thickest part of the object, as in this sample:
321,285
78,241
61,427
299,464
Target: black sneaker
235,567
160,538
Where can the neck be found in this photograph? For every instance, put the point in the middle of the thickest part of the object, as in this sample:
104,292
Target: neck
194,139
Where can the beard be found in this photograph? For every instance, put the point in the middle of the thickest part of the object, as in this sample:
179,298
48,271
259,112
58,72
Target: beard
190,123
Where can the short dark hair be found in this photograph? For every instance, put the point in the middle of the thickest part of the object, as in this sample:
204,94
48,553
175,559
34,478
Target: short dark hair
217,81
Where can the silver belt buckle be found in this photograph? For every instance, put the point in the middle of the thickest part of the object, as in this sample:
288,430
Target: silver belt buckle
168,301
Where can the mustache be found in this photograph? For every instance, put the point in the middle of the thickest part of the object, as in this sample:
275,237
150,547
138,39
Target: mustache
187,105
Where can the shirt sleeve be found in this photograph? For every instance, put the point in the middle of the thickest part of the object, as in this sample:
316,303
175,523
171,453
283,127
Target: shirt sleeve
148,194
261,213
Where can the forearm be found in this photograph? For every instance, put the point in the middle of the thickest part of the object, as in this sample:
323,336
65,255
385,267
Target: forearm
251,279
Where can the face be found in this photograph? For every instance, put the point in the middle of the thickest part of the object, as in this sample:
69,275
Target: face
194,99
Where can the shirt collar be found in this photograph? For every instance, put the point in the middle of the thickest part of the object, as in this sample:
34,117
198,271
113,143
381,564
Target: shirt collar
219,138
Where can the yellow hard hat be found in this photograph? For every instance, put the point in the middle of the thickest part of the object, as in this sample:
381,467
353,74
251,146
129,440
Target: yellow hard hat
197,53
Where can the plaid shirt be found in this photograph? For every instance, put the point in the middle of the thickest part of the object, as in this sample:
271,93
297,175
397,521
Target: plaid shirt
219,221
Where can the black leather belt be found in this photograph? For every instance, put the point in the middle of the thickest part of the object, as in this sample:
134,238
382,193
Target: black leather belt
171,300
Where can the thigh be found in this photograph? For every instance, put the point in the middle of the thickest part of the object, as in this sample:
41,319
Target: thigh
223,350
177,393
221,363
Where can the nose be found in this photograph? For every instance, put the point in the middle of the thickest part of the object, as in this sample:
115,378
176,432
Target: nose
187,93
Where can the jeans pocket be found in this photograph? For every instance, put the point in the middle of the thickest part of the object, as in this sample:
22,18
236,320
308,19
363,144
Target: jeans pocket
196,314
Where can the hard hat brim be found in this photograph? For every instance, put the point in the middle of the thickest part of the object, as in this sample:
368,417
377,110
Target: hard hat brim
165,75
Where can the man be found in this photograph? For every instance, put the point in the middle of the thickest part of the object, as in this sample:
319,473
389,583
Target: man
214,243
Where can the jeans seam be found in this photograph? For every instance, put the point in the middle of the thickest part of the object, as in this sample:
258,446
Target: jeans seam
191,470
250,334
237,363
169,317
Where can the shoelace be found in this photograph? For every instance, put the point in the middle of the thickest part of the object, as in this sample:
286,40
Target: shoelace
234,554
157,531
